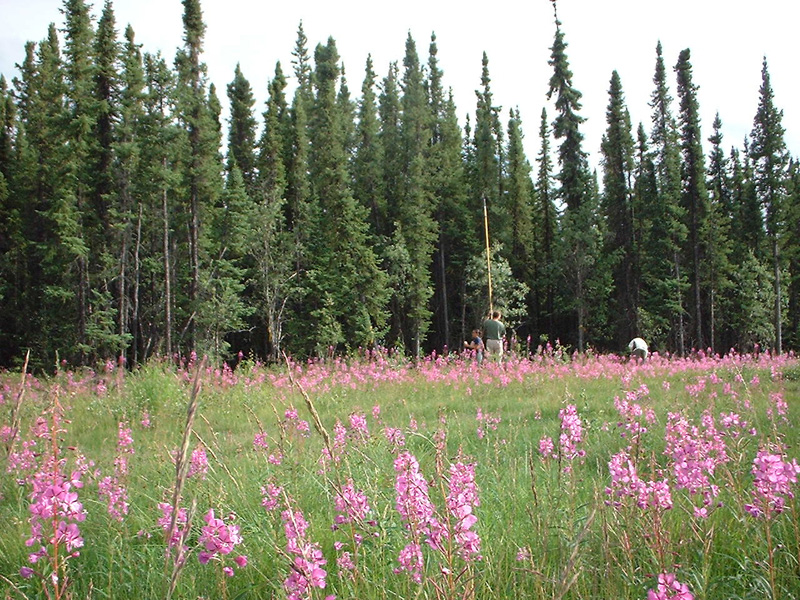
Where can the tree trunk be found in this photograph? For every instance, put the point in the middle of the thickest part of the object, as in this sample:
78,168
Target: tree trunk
167,285
778,316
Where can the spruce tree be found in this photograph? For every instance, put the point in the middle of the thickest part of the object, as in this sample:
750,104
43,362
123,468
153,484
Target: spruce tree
547,218
519,200
694,195
620,244
128,213
579,223
666,273
271,248
107,67
242,132
346,291
162,191
390,140
203,170
415,228
368,159
486,178
80,199
717,264
770,163
447,185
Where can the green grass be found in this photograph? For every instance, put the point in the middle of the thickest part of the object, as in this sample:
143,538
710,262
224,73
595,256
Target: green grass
579,547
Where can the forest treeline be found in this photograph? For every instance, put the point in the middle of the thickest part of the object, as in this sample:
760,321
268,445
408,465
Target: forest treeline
333,221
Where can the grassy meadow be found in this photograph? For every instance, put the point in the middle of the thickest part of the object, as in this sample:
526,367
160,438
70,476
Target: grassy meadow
553,476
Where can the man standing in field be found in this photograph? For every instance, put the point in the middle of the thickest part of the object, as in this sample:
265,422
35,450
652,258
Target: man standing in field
493,334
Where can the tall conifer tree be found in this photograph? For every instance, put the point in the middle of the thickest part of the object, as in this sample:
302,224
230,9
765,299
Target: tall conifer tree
770,163
694,195
620,244
242,132
347,291
579,225
666,274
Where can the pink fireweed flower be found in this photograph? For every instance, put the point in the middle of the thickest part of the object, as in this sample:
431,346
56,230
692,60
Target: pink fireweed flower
261,441
781,407
198,464
269,496
625,483
410,559
669,588
695,455
166,520
112,488
486,422
571,434
218,539
345,563
115,495
307,571
461,500
351,505
547,447
412,499
772,479
395,437
338,447
358,426
53,500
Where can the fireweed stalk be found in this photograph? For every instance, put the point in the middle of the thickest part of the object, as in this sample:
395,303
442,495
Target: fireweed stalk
306,557
352,517
452,535
772,482
176,560
114,488
55,512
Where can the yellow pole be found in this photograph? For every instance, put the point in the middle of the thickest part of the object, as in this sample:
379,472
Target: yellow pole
488,253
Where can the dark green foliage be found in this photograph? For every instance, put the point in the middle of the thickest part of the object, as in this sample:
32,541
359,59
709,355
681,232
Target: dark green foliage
770,163
618,208
336,222
694,195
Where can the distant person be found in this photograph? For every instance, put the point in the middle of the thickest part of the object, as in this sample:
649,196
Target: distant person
476,345
638,348
494,333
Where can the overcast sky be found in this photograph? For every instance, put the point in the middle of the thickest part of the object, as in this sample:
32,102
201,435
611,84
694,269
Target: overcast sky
728,41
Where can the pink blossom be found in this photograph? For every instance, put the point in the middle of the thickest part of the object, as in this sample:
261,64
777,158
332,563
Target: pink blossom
198,463
307,571
669,588
351,505
772,479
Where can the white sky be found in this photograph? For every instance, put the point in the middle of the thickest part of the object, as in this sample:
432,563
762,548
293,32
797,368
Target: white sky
728,40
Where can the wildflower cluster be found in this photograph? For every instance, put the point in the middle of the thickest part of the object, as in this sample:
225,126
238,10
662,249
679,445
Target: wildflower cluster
461,500
631,413
352,508
218,539
165,521
416,509
55,514
695,456
669,588
772,478
486,422
113,488
307,562
625,482
571,434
